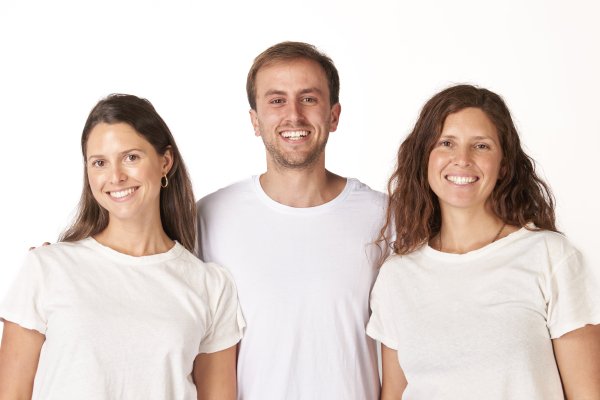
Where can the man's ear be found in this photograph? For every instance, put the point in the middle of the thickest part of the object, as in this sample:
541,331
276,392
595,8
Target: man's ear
334,117
254,121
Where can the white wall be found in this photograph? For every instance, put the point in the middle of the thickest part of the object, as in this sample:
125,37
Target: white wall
190,59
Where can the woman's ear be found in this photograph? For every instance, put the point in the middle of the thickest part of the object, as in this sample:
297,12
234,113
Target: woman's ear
503,171
167,160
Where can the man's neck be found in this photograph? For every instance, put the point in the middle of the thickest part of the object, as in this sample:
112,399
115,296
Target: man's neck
302,188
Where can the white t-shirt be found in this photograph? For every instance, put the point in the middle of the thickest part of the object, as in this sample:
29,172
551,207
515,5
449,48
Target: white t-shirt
121,327
303,278
479,325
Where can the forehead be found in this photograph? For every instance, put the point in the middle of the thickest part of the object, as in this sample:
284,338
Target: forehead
470,121
291,75
114,137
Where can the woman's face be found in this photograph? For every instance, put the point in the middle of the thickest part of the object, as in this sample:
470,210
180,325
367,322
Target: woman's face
465,162
124,172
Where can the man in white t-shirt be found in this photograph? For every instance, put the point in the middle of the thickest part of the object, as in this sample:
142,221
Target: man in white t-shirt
299,241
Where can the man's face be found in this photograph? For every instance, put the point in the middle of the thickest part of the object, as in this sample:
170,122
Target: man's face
293,115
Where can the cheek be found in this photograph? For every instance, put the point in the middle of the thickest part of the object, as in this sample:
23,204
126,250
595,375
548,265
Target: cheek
494,168
151,173
434,166
95,185
323,115
94,182
268,117
430,173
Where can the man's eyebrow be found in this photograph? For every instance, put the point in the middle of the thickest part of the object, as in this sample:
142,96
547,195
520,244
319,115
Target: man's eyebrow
272,92
277,92
311,90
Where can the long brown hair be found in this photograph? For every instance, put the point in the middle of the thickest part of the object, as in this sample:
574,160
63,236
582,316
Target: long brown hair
520,197
177,207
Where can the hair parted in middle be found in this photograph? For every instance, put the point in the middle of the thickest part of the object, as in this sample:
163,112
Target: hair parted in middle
288,51
177,206
413,215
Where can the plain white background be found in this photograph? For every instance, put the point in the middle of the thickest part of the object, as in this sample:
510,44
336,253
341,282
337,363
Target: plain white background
190,59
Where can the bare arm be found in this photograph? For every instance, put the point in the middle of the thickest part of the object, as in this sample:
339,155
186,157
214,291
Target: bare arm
393,381
578,358
215,375
19,356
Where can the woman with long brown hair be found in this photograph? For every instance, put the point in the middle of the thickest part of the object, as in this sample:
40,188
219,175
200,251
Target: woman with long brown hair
483,298
120,307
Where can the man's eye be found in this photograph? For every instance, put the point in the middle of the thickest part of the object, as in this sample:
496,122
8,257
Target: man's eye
309,100
277,101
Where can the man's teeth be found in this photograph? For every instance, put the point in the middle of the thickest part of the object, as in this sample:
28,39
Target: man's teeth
461,180
294,135
122,193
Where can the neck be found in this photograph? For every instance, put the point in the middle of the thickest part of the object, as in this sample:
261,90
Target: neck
464,231
302,188
143,238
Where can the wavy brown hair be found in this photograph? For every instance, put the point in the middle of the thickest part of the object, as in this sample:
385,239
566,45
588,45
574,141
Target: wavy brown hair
520,196
177,207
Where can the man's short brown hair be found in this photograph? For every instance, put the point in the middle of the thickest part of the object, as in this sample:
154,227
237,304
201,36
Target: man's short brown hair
286,51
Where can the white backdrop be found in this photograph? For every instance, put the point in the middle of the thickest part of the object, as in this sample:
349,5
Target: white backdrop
191,58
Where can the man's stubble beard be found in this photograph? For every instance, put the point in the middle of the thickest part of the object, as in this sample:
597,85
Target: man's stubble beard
286,162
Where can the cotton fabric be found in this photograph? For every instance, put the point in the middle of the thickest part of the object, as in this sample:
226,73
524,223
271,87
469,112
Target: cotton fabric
304,276
121,327
479,325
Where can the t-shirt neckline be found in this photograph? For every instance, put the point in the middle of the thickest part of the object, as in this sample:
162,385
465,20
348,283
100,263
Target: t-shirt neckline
350,182
451,257
172,253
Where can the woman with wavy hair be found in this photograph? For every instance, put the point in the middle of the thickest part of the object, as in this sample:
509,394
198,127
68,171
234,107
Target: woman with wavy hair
120,308
483,298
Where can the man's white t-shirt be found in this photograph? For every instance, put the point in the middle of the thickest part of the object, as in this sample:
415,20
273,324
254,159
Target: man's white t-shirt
303,278
479,325
118,326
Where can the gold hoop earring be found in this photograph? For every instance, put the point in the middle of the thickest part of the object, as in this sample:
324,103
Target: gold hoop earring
164,181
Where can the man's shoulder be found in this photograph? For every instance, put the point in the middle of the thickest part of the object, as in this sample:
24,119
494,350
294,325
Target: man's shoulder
231,193
365,192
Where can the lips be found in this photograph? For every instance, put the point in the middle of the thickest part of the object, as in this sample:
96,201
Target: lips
294,135
122,193
461,180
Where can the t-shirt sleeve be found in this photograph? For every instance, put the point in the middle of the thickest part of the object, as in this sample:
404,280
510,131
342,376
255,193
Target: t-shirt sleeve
381,323
574,300
227,322
24,302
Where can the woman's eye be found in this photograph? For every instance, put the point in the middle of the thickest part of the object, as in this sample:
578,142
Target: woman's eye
131,157
482,146
445,143
98,163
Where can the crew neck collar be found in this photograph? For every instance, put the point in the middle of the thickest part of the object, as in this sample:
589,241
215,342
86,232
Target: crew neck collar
302,210
481,252
173,252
